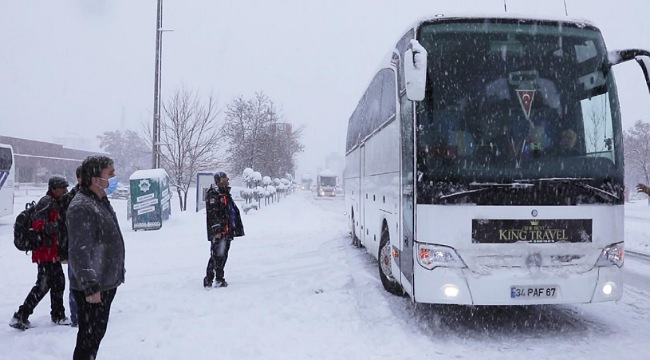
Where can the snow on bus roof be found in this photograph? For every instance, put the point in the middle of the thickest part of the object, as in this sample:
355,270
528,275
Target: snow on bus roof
148,174
565,19
326,172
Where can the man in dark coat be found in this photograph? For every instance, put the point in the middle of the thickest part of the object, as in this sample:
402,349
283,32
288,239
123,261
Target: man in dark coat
223,224
95,254
46,220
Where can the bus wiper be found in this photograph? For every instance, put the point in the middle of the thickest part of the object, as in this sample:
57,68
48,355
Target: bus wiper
578,182
483,187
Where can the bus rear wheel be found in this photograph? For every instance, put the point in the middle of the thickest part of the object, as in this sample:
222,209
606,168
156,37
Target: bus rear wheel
385,270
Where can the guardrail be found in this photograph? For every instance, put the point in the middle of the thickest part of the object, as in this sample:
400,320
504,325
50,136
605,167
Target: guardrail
638,254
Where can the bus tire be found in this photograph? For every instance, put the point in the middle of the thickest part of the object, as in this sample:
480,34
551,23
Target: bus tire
385,271
355,239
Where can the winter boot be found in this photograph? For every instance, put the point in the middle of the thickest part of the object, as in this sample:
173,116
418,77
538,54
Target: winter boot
220,283
19,322
62,321
207,282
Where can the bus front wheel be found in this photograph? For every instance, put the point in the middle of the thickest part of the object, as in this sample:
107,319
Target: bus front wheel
385,270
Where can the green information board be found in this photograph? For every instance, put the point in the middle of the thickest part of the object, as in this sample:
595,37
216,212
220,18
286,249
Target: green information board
150,199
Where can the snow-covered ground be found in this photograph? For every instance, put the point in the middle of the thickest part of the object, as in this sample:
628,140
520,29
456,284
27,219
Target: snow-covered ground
298,290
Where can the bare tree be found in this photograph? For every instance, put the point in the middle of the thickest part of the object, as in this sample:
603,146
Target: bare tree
189,139
637,152
595,131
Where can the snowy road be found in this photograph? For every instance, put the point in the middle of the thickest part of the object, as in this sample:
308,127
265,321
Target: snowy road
298,290
590,331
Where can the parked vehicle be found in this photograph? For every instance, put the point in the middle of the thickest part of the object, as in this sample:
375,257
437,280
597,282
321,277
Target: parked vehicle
122,192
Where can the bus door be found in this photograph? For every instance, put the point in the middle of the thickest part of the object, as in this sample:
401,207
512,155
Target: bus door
406,258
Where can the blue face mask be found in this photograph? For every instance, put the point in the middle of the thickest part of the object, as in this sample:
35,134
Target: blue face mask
112,185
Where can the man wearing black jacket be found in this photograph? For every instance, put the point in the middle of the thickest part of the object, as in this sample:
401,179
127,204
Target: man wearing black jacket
95,254
223,224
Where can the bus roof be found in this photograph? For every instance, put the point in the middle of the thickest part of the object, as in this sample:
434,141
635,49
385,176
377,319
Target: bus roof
565,19
386,61
327,172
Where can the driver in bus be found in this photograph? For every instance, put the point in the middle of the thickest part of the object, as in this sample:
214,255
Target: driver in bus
566,144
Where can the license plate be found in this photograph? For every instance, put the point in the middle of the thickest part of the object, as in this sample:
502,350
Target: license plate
532,292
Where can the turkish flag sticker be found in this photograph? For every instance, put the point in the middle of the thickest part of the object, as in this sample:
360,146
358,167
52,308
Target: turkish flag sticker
526,98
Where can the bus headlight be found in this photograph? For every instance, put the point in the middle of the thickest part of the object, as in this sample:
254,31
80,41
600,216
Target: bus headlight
431,256
612,255
608,288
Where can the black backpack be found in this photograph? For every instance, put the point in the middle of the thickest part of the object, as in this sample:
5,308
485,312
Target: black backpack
25,238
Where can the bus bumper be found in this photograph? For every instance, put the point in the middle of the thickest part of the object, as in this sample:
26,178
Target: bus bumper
462,286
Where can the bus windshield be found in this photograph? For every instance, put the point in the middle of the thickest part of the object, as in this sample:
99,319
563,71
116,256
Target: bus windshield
328,181
513,108
6,159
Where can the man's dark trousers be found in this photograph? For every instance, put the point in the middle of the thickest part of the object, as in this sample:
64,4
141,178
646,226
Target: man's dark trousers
93,320
50,278
218,257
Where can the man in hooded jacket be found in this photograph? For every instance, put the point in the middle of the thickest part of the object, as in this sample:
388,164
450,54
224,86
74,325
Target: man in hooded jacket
223,224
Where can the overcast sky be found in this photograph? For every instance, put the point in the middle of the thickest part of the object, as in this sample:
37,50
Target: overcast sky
81,67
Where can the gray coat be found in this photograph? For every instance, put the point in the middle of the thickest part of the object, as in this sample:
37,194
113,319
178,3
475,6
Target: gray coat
95,244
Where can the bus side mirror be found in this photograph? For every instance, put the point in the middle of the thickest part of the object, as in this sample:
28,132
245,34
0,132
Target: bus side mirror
415,71
644,62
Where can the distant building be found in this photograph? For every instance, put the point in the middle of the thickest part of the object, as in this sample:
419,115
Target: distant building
282,129
35,161
75,141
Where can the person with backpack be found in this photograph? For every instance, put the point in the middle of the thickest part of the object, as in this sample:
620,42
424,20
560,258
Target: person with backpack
25,238
224,223
95,254
46,222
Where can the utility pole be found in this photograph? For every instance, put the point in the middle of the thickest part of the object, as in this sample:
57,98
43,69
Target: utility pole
155,151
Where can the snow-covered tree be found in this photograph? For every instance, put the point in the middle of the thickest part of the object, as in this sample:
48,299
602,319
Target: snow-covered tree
637,153
129,151
258,139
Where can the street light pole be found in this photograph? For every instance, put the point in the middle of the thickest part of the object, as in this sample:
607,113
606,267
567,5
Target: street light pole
155,151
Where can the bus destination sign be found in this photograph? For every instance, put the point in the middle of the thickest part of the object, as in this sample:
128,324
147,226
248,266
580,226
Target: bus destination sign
493,231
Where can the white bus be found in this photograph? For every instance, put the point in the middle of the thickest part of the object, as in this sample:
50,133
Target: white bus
484,163
6,180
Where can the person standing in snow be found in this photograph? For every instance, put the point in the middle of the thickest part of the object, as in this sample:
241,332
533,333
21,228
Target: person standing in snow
46,220
223,224
65,203
95,254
